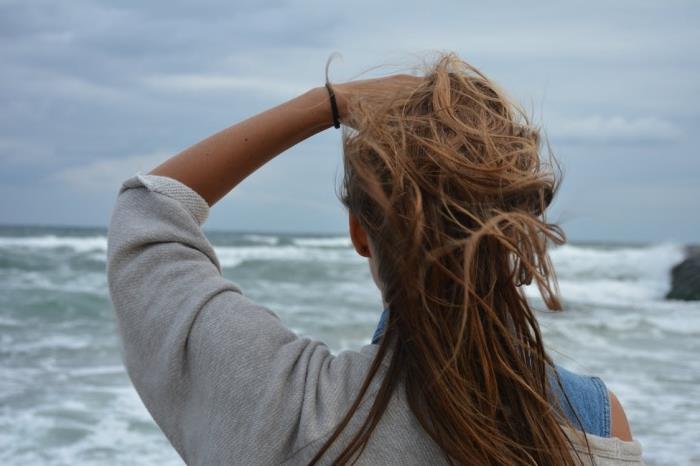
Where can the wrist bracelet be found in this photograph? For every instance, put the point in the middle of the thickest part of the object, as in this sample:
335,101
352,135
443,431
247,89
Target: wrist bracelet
334,106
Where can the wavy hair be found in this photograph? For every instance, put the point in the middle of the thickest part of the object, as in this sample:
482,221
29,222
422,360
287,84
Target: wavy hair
445,176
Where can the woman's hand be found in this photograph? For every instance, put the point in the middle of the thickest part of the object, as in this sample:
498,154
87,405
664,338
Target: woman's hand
371,89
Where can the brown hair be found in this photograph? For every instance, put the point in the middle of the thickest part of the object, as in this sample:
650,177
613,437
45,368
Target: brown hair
446,178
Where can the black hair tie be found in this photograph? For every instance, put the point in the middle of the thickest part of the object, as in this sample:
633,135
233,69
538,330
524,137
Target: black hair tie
334,106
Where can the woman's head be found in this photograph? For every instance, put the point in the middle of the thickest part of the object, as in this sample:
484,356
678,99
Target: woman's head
444,177
437,162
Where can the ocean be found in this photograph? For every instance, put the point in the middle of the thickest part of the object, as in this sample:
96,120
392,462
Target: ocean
65,398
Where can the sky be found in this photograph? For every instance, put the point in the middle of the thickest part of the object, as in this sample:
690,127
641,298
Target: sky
92,92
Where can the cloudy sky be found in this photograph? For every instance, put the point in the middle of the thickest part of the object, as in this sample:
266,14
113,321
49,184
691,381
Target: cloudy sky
93,91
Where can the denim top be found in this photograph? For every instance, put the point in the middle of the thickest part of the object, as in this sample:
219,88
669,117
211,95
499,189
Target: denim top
587,395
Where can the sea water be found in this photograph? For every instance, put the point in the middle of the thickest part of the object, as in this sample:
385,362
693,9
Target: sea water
66,399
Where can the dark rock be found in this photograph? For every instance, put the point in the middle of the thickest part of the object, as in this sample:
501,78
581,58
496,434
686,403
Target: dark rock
685,278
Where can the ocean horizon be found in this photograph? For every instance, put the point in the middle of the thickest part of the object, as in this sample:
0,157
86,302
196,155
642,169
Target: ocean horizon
66,398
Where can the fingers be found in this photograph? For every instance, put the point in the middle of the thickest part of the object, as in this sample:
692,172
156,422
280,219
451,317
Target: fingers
371,90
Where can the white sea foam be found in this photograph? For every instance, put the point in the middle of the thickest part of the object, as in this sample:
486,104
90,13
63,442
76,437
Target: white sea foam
582,262
77,243
65,281
231,256
99,256
265,239
121,431
100,370
53,343
613,276
333,242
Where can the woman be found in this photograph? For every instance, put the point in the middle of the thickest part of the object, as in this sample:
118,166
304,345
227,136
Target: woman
446,194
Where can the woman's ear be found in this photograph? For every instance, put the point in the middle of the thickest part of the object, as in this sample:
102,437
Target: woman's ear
358,236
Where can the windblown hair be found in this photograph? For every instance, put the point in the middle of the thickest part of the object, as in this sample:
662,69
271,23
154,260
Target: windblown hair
445,176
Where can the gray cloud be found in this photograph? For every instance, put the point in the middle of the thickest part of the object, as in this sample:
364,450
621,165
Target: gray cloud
106,173
90,90
596,129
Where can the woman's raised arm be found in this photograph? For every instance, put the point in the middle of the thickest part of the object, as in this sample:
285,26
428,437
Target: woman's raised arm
215,165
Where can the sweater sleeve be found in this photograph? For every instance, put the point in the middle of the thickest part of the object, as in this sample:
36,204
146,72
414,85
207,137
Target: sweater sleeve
223,378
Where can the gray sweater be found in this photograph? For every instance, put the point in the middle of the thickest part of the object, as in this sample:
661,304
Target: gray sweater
223,377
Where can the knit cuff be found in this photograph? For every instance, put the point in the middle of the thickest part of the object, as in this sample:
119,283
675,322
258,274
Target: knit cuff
189,198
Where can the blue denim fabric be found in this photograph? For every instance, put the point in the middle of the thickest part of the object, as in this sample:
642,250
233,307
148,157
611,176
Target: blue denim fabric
588,395
380,327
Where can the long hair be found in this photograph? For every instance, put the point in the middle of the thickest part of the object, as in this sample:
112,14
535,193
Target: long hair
445,176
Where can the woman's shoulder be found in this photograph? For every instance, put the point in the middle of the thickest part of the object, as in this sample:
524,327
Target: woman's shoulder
589,404
584,400
594,409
